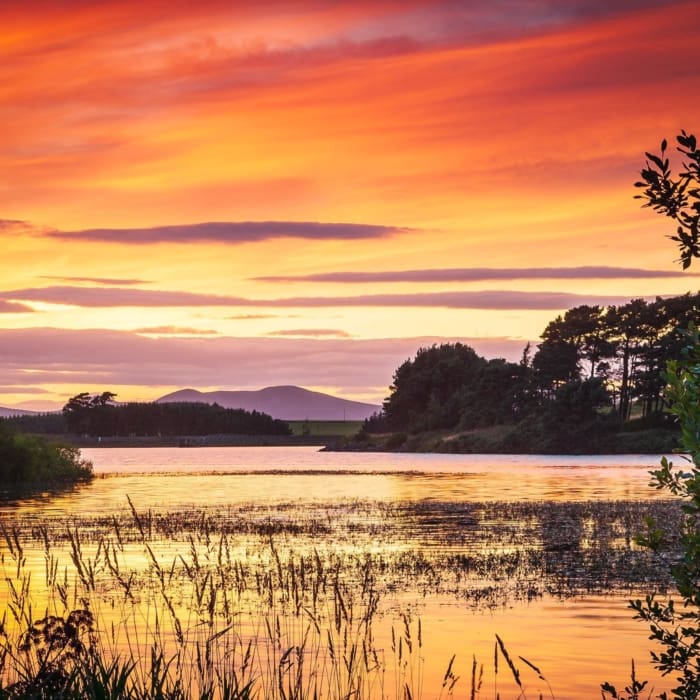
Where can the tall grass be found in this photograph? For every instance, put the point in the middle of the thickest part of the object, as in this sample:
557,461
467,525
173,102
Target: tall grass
121,613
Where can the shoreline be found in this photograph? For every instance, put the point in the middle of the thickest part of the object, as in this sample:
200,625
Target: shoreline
195,441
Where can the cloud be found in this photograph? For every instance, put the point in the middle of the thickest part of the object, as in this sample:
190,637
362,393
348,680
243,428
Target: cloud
232,232
184,100
174,330
477,274
14,226
310,333
255,317
22,389
102,297
103,359
116,281
11,307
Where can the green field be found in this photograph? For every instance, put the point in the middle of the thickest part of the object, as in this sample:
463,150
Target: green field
325,428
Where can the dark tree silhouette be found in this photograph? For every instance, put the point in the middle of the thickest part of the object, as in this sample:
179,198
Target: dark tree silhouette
679,197
99,416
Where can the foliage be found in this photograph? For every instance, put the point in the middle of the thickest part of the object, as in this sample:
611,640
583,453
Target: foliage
26,459
99,415
425,393
593,367
677,198
627,346
324,428
449,385
37,423
677,627
376,423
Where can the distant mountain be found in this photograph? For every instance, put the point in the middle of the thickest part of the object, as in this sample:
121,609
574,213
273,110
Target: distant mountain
7,412
284,402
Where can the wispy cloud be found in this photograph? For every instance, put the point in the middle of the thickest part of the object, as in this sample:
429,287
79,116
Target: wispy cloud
15,226
116,281
22,389
310,333
103,297
255,317
11,307
486,299
103,359
174,330
478,274
232,232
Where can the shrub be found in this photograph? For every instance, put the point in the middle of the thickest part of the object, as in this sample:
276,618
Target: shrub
26,459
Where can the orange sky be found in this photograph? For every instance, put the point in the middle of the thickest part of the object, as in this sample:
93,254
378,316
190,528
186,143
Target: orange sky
492,144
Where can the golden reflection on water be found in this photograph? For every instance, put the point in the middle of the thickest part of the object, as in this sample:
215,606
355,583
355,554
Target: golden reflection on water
409,514
220,476
577,644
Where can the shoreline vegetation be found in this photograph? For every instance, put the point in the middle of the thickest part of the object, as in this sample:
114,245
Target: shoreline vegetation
634,438
492,440
260,602
30,461
514,440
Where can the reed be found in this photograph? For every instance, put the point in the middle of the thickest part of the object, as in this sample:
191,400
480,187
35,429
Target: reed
251,603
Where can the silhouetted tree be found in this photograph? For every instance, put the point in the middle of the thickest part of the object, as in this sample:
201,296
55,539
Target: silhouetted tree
679,197
425,391
99,415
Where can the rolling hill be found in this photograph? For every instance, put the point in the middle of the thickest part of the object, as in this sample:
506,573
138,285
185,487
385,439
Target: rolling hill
284,402
7,412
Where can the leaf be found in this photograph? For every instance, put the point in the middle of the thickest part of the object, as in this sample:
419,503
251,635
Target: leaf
656,160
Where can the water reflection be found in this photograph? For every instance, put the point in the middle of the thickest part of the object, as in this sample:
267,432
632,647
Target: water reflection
448,536
219,476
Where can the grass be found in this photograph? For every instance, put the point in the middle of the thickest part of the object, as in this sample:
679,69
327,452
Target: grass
280,603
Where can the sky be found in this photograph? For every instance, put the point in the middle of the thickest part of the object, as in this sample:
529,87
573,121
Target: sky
219,195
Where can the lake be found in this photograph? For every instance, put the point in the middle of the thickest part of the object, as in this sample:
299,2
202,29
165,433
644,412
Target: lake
456,548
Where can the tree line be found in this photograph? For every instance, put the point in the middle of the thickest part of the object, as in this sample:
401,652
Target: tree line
594,364
100,415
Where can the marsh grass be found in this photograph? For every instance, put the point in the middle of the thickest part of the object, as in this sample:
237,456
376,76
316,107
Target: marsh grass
288,603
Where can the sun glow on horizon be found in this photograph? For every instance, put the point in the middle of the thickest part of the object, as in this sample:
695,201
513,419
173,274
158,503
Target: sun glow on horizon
415,136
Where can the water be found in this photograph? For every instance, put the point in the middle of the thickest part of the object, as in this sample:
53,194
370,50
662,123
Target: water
226,475
436,505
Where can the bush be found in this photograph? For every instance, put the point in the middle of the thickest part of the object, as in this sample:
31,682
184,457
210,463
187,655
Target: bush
26,459
674,623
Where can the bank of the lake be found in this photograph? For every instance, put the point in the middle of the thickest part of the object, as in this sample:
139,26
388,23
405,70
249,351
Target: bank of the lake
29,461
87,441
514,439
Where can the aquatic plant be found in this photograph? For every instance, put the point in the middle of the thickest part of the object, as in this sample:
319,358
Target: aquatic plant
251,601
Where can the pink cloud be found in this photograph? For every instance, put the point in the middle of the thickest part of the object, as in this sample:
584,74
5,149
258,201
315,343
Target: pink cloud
309,333
233,232
11,307
173,330
108,281
94,359
102,297
478,274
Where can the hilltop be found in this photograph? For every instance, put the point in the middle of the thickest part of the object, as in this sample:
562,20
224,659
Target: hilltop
6,412
283,402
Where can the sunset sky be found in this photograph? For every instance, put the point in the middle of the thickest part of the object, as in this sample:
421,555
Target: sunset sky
232,195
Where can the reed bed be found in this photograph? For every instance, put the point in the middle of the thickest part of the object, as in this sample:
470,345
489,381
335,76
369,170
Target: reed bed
292,602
